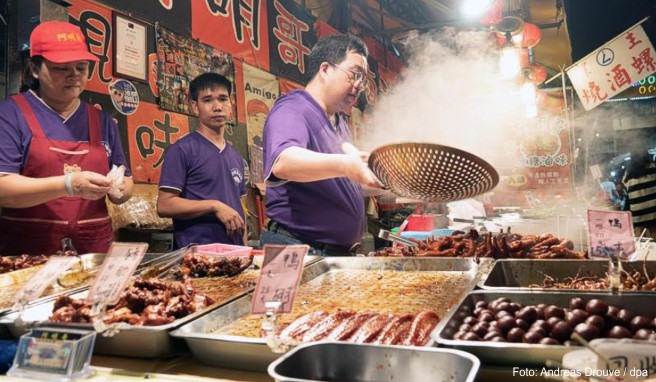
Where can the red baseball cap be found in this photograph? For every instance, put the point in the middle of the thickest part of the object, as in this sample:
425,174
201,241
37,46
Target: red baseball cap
59,42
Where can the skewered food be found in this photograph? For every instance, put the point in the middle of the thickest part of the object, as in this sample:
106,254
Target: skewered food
9,264
147,302
631,280
495,245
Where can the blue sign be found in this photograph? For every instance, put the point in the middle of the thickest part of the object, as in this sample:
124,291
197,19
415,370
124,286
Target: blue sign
124,96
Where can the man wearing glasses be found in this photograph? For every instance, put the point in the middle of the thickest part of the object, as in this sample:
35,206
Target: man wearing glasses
314,175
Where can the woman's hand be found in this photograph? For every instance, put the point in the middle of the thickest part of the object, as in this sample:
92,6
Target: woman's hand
90,185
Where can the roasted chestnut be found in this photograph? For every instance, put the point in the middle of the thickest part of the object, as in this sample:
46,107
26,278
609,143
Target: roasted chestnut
639,322
515,335
575,317
576,303
596,306
618,331
554,311
561,331
624,317
597,321
528,314
588,332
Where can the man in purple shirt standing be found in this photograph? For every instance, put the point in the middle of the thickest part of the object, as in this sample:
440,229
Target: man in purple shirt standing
314,174
202,177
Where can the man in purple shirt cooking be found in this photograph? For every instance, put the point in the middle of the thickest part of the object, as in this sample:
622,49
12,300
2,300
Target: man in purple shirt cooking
314,175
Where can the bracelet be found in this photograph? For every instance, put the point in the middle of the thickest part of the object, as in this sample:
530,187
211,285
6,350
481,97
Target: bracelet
69,184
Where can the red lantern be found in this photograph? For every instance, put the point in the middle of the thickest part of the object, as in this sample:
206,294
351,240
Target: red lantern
511,28
532,35
535,73
493,14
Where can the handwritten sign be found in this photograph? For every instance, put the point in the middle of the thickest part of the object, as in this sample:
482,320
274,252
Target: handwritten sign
55,266
121,261
613,67
610,233
281,272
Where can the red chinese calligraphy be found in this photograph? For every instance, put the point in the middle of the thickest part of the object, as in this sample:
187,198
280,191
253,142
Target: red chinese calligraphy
620,78
632,40
644,60
289,30
593,93
245,17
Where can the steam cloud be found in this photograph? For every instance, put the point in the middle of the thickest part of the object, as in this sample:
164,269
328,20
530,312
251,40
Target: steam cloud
451,94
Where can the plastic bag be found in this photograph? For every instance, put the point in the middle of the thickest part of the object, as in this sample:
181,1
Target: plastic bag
116,175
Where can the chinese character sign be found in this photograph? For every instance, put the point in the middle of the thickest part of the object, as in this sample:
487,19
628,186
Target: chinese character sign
182,59
610,233
279,277
613,67
236,26
291,37
150,132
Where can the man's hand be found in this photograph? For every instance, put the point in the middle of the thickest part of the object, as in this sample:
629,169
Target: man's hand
230,218
357,168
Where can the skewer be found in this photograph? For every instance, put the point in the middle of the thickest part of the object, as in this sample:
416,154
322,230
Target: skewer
640,238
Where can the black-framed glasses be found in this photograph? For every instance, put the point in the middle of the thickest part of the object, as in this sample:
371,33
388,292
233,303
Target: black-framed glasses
355,76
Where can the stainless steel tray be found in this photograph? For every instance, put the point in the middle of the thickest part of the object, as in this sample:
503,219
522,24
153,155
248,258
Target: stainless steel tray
129,341
342,361
252,353
526,274
522,354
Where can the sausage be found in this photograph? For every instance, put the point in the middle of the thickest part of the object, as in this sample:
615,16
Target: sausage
301,325
421,327
347,327
370,329
323,328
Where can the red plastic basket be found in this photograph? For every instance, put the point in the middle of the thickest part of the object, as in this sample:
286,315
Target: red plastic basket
219,249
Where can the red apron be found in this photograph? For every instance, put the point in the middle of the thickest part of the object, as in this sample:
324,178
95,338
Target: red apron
40,229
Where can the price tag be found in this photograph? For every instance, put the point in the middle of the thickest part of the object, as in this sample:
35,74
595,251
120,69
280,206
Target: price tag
609,233
53,351
121,261
55,266
281,272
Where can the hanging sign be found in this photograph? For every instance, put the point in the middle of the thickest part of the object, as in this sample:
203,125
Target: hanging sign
613,67
55,266
610,233
121,261
281,272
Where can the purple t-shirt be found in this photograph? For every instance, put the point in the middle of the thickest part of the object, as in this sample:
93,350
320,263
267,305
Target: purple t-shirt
329,211
15,135
201,171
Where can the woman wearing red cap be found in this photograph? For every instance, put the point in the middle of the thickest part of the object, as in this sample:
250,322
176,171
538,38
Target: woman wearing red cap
55,152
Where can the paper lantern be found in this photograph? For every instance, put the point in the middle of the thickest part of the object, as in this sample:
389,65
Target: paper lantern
531,36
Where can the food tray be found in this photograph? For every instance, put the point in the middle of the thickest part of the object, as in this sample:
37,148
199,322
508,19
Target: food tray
12,282
523,354
146,341
342,361
525,274
229,335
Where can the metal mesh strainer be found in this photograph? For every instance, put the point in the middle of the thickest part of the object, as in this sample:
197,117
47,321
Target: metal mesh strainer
432,172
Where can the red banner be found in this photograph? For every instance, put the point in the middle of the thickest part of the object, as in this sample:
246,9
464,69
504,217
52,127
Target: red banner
239,27
150,132
287,86
323,29
96,24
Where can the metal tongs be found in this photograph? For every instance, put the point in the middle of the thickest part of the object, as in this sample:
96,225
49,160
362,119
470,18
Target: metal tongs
396,239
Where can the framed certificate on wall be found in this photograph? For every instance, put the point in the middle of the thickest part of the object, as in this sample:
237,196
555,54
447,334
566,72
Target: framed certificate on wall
130,48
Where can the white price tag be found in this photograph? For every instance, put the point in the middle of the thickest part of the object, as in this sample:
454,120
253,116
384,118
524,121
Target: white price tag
121,261
55,266
609,233
278,281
